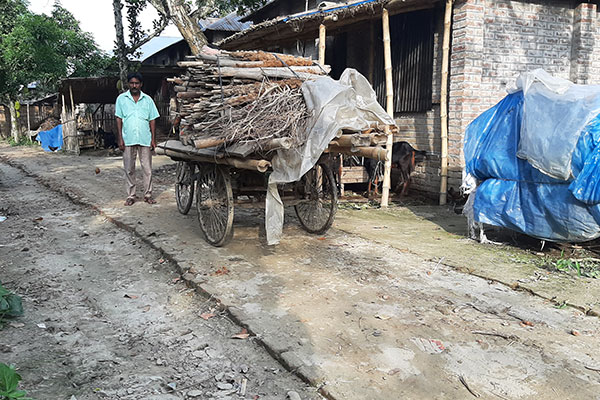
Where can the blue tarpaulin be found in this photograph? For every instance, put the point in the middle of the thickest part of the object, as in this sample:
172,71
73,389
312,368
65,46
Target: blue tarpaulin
51,140
539,202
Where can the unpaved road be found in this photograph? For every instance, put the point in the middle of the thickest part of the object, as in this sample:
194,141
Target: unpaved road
357,318
106,317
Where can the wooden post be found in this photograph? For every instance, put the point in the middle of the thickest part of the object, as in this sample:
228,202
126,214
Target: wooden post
444,103
322,39
341,172
63,116
72,102
28,122
371,69
389,93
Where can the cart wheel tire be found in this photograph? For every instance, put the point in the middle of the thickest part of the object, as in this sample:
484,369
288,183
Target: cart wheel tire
214,203
184,187
318,196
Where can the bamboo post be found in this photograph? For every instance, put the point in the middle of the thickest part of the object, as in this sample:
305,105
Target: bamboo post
389,93
63,115
341,171
444,104
371,69
28,122
322,39
72,102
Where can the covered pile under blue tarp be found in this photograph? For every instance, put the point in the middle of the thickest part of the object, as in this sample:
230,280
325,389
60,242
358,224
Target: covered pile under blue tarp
51,140
554,125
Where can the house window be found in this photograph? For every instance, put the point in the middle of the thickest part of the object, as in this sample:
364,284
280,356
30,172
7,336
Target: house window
411,36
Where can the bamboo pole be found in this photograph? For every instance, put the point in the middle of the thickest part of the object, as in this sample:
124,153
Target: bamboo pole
322,39
63,116
254,165
387,54
444,104
72,102
374,152
355,140
371,68
205,143
284,143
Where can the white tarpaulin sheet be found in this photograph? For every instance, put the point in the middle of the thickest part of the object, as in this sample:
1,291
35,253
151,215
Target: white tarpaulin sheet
555,111
349,103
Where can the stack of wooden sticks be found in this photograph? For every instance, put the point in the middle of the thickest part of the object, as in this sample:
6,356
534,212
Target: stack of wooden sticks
254,99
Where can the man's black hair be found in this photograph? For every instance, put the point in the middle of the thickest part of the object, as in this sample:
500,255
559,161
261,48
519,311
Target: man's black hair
135,75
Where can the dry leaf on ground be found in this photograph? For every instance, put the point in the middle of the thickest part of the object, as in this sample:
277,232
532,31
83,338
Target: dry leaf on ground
207,315
242,335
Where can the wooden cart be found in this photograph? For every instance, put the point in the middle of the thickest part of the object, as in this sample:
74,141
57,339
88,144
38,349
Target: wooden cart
218,188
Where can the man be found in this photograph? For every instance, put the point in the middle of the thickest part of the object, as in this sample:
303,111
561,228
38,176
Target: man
136,124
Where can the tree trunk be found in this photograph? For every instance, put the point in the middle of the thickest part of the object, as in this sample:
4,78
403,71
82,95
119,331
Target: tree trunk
14,122
177,12
121,48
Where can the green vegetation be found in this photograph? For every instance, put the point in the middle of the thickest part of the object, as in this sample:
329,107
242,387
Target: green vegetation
41,49
9,382
23,141
10,305
585,267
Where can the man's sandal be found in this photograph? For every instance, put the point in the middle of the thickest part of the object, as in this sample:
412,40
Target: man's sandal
149,200
129,201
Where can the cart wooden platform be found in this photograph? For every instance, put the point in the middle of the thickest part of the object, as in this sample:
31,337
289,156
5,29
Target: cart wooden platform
219,187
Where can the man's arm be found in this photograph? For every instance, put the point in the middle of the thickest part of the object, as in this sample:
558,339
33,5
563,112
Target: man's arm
152,130
120,134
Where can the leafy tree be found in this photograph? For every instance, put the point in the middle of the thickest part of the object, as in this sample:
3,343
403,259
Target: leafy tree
185,14
42,49
9,11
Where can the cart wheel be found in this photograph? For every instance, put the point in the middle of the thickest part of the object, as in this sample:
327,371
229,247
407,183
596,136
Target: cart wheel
184,188
214,202
318,196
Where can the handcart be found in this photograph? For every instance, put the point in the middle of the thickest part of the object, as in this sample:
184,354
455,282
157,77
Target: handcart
219,186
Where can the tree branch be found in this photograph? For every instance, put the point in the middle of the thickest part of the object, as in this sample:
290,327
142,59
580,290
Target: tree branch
159,29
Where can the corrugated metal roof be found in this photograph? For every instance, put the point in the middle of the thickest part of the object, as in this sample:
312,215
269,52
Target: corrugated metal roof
229,23
155,45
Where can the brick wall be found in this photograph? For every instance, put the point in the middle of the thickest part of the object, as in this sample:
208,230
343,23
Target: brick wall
493,41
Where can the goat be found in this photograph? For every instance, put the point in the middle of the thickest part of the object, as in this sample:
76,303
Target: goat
404,157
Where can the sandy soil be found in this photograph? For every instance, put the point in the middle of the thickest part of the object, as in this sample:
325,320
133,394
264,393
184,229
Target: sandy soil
107,317
357,316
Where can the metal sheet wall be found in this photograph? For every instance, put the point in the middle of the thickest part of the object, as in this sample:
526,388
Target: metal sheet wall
411,37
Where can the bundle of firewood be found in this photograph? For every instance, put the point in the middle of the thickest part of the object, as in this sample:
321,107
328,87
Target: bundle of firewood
253,99
244,97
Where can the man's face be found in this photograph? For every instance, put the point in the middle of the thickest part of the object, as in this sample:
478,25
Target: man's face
134,86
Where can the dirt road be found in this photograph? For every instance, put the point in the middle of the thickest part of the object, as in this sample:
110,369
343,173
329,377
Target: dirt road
357,318
107,317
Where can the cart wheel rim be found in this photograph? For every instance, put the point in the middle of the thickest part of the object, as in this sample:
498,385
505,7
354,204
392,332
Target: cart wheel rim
318,199
184,187
214,203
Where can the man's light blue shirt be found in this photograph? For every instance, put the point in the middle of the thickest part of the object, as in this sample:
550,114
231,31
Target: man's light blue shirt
136,118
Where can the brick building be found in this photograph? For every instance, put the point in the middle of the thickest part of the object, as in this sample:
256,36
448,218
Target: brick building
492,42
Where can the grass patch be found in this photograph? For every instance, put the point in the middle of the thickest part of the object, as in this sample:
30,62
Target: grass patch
23,141
580,267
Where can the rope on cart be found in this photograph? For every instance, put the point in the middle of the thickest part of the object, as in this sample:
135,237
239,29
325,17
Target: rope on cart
284,63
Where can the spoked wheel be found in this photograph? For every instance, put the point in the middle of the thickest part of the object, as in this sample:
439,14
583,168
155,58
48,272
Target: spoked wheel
184,188
318,196
214,202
